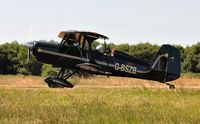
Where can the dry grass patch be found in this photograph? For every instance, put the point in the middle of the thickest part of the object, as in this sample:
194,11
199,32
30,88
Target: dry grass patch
97,82
22,81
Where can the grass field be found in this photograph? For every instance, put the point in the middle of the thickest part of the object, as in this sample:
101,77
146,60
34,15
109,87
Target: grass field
98,82
98,100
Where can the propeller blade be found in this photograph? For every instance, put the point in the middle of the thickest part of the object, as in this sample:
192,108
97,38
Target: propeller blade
29,46
28,55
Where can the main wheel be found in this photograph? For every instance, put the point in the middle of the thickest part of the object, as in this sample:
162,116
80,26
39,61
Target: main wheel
54,82
50,82
171,86
54,85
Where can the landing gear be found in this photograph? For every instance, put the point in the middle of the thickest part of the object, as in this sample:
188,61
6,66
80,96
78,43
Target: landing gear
171,86
60,81
55,82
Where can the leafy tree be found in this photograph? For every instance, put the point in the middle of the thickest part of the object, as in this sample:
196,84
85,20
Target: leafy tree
143,51
13,60
111,45
8,60
95,44
49,70
123,47
181,50
191,62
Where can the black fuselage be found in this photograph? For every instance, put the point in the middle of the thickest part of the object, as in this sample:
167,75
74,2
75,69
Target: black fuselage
96,62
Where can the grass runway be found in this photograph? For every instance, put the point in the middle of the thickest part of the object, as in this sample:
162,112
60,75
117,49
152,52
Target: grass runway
35,103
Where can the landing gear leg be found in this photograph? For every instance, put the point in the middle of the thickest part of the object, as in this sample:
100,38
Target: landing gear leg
60,81
171,86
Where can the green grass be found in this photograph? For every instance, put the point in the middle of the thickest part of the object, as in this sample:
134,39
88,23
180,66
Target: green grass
94,105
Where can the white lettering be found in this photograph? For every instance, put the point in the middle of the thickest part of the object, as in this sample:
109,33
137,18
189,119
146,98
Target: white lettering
117,66
126,68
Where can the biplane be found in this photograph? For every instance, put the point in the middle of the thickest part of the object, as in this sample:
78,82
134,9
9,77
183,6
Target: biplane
75,52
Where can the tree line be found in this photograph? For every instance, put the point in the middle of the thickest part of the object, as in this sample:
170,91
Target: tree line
13,58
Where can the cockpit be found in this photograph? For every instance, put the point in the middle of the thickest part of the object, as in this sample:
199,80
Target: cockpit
80,37
82,40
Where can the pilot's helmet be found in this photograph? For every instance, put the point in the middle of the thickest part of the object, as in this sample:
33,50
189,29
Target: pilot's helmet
76,44
99,47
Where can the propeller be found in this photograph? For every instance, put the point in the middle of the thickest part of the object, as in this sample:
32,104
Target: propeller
29,46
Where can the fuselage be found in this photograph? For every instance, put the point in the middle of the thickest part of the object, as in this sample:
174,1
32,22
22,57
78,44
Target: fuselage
95,62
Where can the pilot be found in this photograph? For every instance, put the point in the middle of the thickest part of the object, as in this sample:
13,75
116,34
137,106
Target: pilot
113,52
105,51
76,44
100,48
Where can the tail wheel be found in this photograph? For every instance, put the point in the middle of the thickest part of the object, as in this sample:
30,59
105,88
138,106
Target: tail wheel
171,86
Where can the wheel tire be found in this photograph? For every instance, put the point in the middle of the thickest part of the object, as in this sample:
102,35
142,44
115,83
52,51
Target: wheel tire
69,85
171,86
52,84
49,85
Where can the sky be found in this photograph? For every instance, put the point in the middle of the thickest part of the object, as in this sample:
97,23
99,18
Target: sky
123,21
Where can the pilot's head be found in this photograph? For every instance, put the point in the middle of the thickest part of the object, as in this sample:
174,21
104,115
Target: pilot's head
99,47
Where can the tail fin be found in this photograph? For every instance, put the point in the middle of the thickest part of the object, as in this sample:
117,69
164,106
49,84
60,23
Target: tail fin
167,61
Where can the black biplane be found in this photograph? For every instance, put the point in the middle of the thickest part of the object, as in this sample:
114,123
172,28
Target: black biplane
75,52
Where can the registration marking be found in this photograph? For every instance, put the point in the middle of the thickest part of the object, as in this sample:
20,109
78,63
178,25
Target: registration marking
125,68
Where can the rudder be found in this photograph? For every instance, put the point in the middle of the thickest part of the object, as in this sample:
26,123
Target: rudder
167,61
